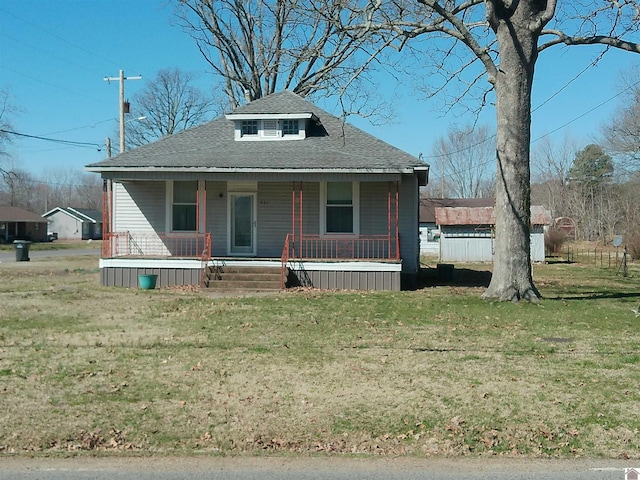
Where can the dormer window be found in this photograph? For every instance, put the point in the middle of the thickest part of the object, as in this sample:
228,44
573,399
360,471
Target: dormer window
249,127
290,127
271,126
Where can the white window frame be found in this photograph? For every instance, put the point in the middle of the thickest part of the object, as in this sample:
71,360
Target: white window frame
270,129
250,135
355,189
169,208
282,128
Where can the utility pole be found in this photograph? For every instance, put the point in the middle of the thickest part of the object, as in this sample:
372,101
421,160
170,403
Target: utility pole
121,78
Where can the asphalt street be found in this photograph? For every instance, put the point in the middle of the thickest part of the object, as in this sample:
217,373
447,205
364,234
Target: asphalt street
312,468
10,255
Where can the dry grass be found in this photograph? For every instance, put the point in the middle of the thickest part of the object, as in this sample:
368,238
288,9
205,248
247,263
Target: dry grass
432,372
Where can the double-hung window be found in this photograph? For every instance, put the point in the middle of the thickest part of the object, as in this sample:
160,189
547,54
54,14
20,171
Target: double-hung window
184,206
340,208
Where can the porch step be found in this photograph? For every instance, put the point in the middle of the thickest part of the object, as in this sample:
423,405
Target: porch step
237,278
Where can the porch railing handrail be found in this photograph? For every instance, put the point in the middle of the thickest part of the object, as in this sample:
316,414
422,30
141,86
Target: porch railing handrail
161,244
319,247
285,261
362,247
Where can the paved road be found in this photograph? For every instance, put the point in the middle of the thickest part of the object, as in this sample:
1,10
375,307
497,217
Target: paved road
10,255
212,468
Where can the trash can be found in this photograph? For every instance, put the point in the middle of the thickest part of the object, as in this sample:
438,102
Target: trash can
22,250
445,272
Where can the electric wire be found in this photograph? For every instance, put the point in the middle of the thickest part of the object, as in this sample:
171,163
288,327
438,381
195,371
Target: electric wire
55,140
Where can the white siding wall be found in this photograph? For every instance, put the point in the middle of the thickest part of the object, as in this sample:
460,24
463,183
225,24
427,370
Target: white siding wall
67,228
274,217
139,207
409,225
217,217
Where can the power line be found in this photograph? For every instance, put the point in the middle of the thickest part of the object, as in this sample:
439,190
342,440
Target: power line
56,140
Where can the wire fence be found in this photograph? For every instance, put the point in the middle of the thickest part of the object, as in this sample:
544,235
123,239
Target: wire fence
598,257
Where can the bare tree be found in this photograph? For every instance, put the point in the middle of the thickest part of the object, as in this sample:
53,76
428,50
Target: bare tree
258,47
622,133
463,161
170,103
16,189
501,40
7,110
551,163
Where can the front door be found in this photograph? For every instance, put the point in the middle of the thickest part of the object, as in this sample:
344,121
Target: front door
242,214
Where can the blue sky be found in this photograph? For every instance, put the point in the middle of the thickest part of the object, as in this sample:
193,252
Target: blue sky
54,55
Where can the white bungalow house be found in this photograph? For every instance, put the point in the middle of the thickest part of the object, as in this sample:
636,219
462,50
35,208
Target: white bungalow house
68,223
277,183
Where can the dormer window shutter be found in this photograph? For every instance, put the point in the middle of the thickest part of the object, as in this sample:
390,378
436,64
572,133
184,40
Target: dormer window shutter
270,128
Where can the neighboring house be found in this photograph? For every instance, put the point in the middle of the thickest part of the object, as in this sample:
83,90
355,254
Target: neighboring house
19,224
429,230
74,223
467,233
277,183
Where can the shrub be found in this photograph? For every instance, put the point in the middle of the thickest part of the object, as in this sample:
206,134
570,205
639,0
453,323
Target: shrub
633,245
554,239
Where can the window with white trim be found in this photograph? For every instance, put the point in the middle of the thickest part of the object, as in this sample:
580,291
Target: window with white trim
184,206
340,208
290,127
249,127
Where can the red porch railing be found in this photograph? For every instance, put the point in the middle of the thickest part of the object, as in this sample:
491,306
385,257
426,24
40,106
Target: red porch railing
189,245
316,247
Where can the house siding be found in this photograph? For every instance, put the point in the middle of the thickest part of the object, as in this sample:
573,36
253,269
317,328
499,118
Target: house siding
140,206
373,200
346,280
216,215
274,217
67,228
408,226
167,277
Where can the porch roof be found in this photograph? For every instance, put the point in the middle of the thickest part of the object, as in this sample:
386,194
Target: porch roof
330,145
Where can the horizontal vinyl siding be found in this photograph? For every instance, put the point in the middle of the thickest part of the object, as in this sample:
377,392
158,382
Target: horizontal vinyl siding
311,208
217,217
409,225
374,202
139,207
274,217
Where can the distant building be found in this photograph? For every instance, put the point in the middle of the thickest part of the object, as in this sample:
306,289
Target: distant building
74,223
429,231
20,224
467,233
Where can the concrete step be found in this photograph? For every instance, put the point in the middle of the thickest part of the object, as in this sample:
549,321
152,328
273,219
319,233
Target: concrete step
227,278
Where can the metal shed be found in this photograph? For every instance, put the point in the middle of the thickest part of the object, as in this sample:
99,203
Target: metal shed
467,233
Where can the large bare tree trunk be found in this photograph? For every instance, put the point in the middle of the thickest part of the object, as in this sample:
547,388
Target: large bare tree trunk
512,279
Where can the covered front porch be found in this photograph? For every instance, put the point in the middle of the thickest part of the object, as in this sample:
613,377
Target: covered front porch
358,264
239,224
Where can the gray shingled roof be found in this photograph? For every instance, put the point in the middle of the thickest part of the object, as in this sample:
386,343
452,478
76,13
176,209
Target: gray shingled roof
330,144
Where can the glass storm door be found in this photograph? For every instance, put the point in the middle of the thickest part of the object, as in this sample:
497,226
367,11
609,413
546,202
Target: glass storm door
243,223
